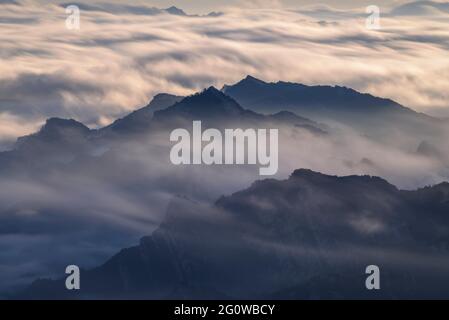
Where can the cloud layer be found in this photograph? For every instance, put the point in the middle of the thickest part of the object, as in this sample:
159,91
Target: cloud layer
121,58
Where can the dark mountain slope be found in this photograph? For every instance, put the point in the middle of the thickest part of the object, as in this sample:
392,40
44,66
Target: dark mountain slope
262,96
215,109
310,236
383,119
211,106
58,139
140,119
67,141
421,8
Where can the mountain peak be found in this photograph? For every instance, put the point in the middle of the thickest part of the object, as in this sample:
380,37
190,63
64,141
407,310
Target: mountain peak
310,101
213,97
304,173
59,123
162,95
209,102
176,11
311,175
162,100
251,79
212,90
139,120
55,130
248,84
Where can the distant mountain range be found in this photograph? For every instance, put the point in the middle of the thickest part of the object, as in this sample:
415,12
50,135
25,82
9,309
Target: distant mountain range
251,98
372,116
305,237
116,8
309,236
139,119
375,117
164,112
70,144
251,103
218,110
315,100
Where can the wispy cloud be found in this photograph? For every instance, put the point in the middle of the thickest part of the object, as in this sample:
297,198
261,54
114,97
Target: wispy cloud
121,58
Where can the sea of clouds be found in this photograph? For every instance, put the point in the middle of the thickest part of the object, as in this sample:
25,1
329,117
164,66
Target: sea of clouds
123,55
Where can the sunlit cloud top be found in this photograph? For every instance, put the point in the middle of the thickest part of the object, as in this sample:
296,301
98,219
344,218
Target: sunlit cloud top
124,53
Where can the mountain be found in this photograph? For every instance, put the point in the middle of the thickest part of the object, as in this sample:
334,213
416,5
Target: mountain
139,120
59,141
421,8
215,14
211,106
310,236
57,130
91,191
162,101
308,100
14,2
85,193
378,118
116,8
62,141
62,134
209,103
175,11
216,109
167,111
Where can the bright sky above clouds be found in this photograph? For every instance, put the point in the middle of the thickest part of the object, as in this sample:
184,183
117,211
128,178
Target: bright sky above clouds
119,58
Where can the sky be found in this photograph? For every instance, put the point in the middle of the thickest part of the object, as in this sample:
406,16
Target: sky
122,55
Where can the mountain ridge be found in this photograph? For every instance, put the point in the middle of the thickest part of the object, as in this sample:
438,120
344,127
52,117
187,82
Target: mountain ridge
377,118
175,262
252,83
140,117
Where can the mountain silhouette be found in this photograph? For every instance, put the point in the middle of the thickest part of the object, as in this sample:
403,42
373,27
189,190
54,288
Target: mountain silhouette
209,103
176,11
320,103
62,141
302,237
421,8
56,136
136,9
310,236
378,118
139,120
211,106
262,96
133,9
216,109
